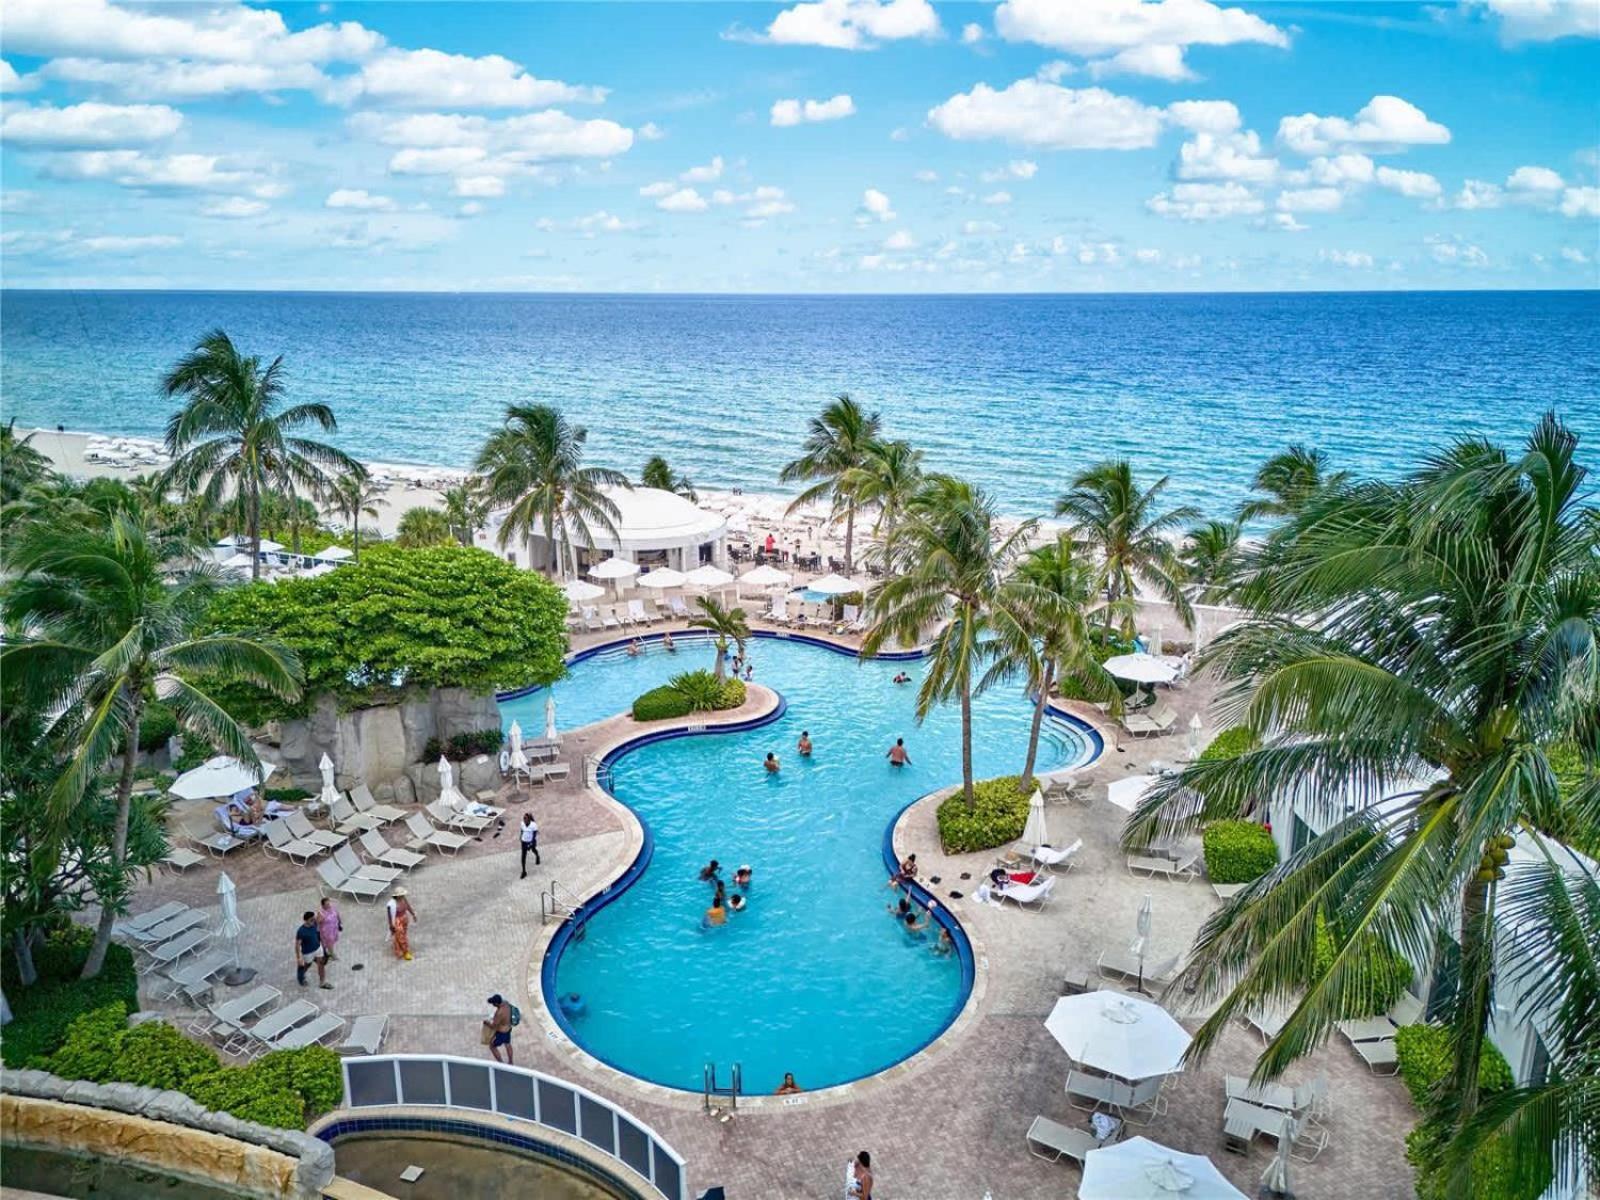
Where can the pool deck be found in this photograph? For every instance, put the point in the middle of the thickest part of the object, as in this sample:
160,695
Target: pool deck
947,1125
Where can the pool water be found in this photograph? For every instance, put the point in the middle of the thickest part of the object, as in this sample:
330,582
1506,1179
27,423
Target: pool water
814,977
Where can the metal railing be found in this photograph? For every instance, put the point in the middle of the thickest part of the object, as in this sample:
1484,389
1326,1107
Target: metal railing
709,1087
557,901
468,1085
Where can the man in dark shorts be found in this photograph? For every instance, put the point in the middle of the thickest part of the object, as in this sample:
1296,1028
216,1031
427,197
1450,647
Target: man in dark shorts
499,1027
308,949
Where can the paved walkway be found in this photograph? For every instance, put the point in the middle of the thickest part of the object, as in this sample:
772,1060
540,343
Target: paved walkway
947,1126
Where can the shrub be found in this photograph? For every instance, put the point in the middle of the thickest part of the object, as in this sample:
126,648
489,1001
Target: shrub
1388,971
998,813
91,1049
660,703
1238,851
156,725
1230,743
285,1088
691,691
462,746
733,693
157,1055
1493,1172
288,795
1426,1059
702,689
42,1012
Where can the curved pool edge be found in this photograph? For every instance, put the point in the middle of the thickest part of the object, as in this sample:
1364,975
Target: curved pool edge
552,942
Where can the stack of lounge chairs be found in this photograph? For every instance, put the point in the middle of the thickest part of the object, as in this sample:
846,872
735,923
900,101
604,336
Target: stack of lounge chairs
1372,1038
1277,1111
1122,964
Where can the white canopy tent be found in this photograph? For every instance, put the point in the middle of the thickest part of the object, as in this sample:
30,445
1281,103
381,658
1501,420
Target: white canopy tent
223,775
1139,1169
1118,1035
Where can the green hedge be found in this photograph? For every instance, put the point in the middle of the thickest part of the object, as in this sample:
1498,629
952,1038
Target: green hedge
156,726
42,1012
1426,1061
1238,851
287,795
997,816
660,703
692,691
284,1089
1230,743
1389,971
462,746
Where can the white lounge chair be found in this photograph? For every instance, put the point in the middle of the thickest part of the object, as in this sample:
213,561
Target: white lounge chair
1164,867
1121,964
222,1020
390,856
347,820
1065,784
281,841
442,815
300,825
360,888
1099,1092
1056,859
345,859
1227,891
180,858
172,927
257,1039
1379,1056
638,615
1307,1097
591,619
170,952
1024,894
1052,1141
366,1035
609,618
1407,1010
362,800
313,1032
778,614
1367,1029
145,929
551,771
424,834
152,917
192,979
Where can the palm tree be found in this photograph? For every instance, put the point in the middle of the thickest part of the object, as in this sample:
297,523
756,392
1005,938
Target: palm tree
352,496
534,465
888,478
21,466
1443,629
465,510
729,625
1212,557
1289,479
1047,637
1110,515
233,432
658,473
422,526
952,563
100,621
836,444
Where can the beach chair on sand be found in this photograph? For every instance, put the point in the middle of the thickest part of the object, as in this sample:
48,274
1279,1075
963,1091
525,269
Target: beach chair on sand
390,856
424,834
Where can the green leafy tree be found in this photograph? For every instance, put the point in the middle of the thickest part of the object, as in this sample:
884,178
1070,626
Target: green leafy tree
658,473
887,479
21,464
101,620
354,495
533,465
235,435
837,442
1288,480
951,567
729,625
465,510
1444,629
1108,513
423,526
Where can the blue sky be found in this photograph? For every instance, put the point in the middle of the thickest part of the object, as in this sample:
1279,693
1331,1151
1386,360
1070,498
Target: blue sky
843,145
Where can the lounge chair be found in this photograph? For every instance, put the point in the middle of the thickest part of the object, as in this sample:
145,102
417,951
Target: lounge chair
677,608
170,952
1052,1141
424,834
345,859
1268,1024
591,619
1145,1099
1121,964
442,815
300,825
551,771
193,979
1100,1092
219,843
1367,1029
1227,891
778,614
257,1039
180,858
1379,1056
1306,1097
348,821
148,929
365,1036
638,615
1407,1010
1158,718
311,1033
1024,894
1056,859
281,841
1164,867
152,917
154,935
222,1020
1242,1120
390,856
350,885
1065,785
361,799
609,618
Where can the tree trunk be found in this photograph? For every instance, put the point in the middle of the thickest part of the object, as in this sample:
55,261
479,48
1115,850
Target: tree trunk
1038,722
355,534
966,745
253,519
849,539
22,949
1472,997
119,836
722,655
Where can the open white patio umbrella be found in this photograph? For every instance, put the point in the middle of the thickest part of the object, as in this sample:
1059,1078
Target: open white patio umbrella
615,569
1118,1035
579,590
835,585
709,577
1126,793
1139,1169
519,759
230,930
765,576
663,578
223,775
1035,833
329,792
1141,668
550,718
334,554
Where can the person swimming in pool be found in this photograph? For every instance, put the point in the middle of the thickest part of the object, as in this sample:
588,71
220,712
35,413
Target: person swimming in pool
907,872
902,678
666,643
771,764
788,1087
897,756
804,744
898,911
736,902
946,944
914,928
749,671
741,878
635,648
716,914
711,870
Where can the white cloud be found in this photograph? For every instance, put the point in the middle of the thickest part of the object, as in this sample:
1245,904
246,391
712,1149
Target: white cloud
801,112
900,239
456,144
112,244
1147,256
178,79
233,208
1356,260
1534,181
1341,170
1419,185
1387,124
876,204
979,228
971,34
174,172
997,198
1205,116
926,176
708,173
470,209
1476,194
434,79
1205,201
12,83
650,132
1017,168
853,24
1282,222
589,225
88,126
1544,20
359,199
1226,156
1032,112
661,187
1580,202
1158,62
762,203
1572,254
1304,200
1452,251
684,200
479,187
899,134
438,160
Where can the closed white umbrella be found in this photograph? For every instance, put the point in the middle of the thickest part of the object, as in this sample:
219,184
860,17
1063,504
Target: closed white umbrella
835,585
447,785
230,930
1126,793
1139,1169
329,792
1141,668
1118,1035
519,759
765,576
550,718
1275,1179
1141,941
579,590
223,775
1195,725
1034,833
663,577
1153,643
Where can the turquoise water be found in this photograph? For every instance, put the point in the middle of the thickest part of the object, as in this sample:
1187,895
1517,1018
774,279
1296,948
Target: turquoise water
814,977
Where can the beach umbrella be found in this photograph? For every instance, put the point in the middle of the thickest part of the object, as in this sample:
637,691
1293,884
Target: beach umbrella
739,523
329,792
230,929
223,775
579,590
1141,941
1126,793
765,576
1195,725
1139,1169
1034,833
663,578
550,718
447,784
268,546
616,569
1118,1035
709,577
519,759
334,554
1141,668
835,585
1275,1179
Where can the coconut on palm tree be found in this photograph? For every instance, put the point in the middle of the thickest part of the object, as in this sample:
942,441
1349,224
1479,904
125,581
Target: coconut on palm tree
533,465
352,496
102,620
1109,514
235,436
1287,482
887,479
951,563
1426,643
837,443
423,526
465,510
658,473
728,625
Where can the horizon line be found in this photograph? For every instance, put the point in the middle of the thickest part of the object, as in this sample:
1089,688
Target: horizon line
661,294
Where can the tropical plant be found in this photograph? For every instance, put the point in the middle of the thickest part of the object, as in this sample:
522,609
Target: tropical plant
658,473
290,516
21,465
1288,481
422,526
465,510
952,565
729,626
533,465
1124,527
887,479
1429,641
233,433
101,620
1211,557
996,815
837,442
354,495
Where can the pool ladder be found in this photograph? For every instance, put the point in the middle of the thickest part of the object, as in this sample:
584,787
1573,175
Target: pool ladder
552,905
709,1087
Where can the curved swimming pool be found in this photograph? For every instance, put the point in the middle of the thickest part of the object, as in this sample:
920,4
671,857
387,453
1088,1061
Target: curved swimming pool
814,976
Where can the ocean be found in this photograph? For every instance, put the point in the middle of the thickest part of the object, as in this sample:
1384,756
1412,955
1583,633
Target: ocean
1014,392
